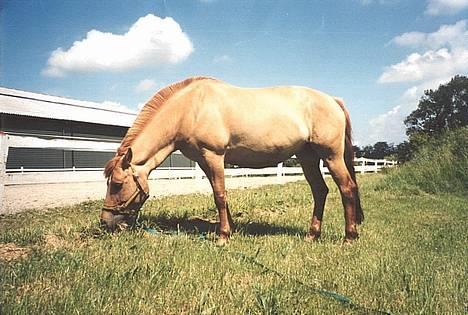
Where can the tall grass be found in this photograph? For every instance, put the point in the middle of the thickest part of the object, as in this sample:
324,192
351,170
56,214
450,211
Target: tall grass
440,166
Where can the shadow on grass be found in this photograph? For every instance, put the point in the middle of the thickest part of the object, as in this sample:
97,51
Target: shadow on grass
198,225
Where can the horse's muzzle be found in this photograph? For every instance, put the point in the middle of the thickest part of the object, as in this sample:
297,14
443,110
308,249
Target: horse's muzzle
112,222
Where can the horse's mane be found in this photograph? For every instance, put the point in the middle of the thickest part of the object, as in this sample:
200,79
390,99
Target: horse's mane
147,112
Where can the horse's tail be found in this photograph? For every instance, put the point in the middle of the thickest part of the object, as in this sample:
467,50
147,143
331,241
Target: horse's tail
349,160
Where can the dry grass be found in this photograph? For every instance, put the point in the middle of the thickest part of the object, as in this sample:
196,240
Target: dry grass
10,252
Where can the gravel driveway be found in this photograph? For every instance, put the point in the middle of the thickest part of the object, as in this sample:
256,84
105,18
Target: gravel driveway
22,197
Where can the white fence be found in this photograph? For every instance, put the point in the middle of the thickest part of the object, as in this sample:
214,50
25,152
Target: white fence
364,165
36,176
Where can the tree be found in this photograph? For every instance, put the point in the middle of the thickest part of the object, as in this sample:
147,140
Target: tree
357,151
382,149
404,152
379,150
440,110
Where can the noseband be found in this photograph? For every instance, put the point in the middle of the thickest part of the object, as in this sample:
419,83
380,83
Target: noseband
122,208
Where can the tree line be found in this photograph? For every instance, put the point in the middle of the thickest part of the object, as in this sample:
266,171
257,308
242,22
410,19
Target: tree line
439,111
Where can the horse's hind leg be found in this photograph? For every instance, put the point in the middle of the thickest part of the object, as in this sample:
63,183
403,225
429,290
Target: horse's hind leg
213,166
310,163
348,189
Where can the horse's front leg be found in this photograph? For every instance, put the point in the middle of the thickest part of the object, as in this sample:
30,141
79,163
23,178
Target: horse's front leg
213,166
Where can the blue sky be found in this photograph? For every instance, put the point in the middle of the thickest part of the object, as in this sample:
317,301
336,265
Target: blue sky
378,55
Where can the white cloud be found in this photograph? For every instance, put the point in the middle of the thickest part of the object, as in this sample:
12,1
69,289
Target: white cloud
411,39
445,7
389,126
145,86
151,41
427,66
453,36
447,55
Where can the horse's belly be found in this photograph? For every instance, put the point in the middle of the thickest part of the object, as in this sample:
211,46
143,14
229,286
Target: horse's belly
257,157
266,144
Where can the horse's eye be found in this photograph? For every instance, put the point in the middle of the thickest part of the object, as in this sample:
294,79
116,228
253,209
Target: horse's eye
116,185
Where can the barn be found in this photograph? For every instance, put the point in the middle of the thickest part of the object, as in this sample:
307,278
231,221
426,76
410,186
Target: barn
50,117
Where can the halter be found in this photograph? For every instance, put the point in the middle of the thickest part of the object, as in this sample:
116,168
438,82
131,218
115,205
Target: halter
121,209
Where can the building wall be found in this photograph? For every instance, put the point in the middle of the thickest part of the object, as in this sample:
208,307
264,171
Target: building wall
54,159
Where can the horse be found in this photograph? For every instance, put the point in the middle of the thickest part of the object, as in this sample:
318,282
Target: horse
212,123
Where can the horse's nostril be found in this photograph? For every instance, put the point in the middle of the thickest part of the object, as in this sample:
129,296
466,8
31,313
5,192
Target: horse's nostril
116,222
108,221
105,225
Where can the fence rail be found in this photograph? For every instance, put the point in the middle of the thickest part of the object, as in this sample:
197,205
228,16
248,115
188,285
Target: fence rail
20,176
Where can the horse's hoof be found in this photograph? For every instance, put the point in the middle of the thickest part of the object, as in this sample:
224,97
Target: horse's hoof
350,240
222,241
312,237
347,242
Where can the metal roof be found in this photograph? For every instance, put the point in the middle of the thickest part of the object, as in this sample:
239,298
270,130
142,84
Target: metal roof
46,106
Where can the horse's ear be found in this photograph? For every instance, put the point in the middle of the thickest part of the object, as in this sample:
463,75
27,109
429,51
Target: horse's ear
127,159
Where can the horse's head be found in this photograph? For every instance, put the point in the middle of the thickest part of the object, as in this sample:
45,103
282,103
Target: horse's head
126,192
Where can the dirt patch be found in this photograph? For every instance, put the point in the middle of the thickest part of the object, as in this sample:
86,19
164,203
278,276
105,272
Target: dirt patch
53,242
10,252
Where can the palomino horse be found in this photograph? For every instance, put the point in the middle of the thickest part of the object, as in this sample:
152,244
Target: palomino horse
212,123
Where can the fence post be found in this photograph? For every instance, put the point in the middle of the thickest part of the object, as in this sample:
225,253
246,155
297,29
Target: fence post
198,172
3,160
363,166
376,166
279,170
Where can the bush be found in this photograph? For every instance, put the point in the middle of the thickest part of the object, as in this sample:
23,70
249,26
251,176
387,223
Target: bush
440,165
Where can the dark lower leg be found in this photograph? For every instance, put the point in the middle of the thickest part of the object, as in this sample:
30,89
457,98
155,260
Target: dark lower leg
350,222
315,228
319,191
347,189
224,215
213,166
231,222
349,212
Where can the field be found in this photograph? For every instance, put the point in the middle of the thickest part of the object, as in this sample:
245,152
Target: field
411,257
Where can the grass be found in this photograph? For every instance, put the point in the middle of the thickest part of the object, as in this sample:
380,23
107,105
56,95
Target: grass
410,259
440,166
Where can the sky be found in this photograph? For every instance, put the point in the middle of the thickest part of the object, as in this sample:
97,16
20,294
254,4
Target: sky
378,55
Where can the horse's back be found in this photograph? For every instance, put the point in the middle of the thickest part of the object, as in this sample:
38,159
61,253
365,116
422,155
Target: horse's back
301,108
264,125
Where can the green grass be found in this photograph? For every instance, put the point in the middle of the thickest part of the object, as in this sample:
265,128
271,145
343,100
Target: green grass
439,166
410,259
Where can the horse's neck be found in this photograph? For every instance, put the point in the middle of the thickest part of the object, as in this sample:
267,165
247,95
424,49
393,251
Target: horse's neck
155,142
